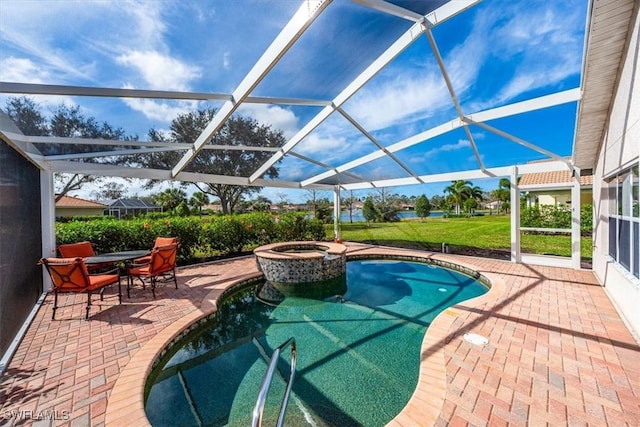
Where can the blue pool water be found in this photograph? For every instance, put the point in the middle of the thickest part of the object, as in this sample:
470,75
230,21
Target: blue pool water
358,359
356,215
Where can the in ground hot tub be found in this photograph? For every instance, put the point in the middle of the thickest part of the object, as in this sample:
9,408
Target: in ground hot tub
301,262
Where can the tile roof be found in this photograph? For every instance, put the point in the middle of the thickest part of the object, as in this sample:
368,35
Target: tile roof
556,177
77,202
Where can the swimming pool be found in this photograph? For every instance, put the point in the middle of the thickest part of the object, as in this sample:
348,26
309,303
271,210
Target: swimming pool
358,359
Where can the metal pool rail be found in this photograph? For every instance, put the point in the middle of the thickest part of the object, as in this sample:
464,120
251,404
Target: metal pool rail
266,384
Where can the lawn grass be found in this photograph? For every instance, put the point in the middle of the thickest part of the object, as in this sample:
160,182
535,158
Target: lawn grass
488,233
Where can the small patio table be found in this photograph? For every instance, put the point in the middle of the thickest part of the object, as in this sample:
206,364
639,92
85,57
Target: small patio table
124,257
115,257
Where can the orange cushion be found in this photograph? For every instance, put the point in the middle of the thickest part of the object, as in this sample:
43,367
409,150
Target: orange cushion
80,249
68,274
101,280
164,241
139,271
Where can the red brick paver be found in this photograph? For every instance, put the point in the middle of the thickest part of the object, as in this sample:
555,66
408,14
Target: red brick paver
558,352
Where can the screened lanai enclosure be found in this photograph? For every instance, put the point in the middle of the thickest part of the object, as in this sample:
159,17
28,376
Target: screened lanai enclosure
366,93
362,94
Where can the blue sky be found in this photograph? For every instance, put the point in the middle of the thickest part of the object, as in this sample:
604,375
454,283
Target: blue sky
496,53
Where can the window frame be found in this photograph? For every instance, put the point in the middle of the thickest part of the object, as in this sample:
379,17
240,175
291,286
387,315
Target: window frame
624,218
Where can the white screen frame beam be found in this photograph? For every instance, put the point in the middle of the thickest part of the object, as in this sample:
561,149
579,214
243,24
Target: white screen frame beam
294,29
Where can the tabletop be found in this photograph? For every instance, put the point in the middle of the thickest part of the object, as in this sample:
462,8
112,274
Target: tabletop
116,257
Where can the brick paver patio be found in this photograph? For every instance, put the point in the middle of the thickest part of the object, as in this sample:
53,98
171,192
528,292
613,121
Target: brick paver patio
558,352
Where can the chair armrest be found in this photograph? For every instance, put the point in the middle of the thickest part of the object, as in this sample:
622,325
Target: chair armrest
112,271
140,264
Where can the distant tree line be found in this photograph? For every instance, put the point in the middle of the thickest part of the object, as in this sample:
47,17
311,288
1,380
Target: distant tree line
65,121
461,197
68,122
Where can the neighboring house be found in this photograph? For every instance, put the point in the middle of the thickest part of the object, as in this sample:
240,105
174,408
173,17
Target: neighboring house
215,207
493,205
69,206
554,188
122,208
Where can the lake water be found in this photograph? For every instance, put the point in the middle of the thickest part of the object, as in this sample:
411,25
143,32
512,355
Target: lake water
357,215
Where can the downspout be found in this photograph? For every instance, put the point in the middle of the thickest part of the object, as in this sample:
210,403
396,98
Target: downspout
336,214
575,220
48,220
516,255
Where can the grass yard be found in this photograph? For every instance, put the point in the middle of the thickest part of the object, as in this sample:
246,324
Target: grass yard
464,235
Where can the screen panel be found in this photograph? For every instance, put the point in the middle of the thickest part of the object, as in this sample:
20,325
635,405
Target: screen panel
20,242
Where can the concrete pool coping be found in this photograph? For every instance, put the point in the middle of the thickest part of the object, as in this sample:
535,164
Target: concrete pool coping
126,403
278,251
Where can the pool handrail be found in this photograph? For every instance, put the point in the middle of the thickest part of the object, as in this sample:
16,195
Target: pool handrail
266,384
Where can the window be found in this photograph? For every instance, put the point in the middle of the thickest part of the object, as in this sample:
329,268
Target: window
624,220
635,197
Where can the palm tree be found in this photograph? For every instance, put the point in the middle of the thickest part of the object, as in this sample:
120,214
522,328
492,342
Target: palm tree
459,191
198,200
503,193
476,194
170,198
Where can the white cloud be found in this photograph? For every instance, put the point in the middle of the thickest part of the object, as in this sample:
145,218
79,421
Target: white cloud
22,70
388,102
464,62
149,25
49,59
277,117
161,71
536,77
461,144
542,46
164,111
478,135
293,169
69,39
327,146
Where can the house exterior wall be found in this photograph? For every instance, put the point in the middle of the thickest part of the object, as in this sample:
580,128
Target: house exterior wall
619,150
560,197
69,212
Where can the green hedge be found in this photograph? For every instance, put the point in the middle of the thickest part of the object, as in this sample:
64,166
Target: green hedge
218,234
548,216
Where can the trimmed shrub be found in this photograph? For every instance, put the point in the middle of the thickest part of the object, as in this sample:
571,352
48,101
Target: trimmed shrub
586,220
297,226
548,216
227,234
261,228
220,233
291,226
113,235
316,230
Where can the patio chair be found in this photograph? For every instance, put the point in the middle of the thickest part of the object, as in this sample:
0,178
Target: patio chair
82,250
160,241
70,275
161,267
